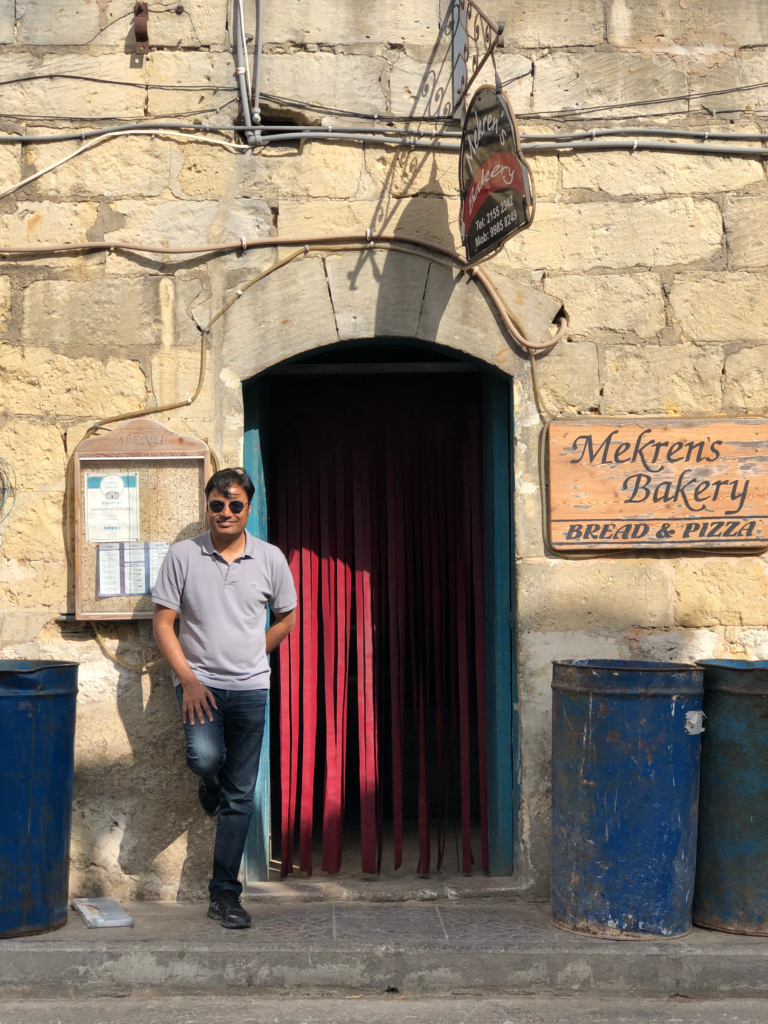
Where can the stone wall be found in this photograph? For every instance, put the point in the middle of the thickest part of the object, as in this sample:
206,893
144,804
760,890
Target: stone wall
658,259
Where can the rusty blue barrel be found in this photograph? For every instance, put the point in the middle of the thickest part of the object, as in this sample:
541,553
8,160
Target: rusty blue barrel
731,892
37,742
625,788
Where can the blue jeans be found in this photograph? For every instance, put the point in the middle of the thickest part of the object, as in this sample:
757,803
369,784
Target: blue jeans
225,753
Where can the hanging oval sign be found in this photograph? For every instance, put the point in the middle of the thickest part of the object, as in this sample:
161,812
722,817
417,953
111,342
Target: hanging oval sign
497,193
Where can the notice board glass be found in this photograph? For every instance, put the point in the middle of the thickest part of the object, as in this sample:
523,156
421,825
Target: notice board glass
137,490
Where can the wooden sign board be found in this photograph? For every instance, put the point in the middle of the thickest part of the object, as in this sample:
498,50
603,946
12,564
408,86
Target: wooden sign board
644,484
137,489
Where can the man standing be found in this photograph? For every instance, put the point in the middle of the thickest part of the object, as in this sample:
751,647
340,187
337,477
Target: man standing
220,584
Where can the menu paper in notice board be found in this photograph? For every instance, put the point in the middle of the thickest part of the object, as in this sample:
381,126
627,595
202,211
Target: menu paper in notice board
640,484
111,507
129,568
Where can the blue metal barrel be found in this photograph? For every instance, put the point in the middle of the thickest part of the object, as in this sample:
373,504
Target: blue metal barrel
731,892
625,787
37,741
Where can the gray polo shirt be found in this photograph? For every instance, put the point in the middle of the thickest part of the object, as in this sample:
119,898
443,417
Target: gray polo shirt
223,608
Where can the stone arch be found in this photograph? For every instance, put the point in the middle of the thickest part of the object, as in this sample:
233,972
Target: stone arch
343,296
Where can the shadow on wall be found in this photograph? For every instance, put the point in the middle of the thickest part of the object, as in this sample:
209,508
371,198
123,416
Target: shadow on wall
148,804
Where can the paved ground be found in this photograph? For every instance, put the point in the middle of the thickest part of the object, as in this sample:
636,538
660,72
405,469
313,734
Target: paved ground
443,948
384,1010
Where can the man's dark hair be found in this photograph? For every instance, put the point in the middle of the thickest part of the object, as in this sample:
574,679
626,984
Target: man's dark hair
226,478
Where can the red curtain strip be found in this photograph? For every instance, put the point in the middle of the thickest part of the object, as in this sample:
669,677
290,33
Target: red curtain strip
384,537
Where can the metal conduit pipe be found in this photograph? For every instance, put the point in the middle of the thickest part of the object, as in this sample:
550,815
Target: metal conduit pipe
363,133
671,133
255,104
646,144
245,100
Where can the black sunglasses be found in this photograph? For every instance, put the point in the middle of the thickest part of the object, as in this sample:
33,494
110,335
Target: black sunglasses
235,507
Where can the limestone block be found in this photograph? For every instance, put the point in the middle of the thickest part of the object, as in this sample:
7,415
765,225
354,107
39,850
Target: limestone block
543,170
286,313
47,222
318,169
206,170
420,89
40,583
200,23
36,452
577,81
402,172
174,377
650,25
721,592
531,309
61,22
570,378
747,242
429,219
613,302
746,381
181,223
96,97
602,596
353,83
5,303
585,235
36,378
7,23
416,22
130,166
550,22
10,165
721,307
19,625
680,380
208,79
715,68
114,312
376,293
34,530
457,313
623,173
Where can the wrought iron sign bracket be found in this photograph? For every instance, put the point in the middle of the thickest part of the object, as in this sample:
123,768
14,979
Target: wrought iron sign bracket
475,37
141,31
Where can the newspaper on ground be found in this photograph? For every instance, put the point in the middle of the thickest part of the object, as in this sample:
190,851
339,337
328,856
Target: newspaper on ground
102,912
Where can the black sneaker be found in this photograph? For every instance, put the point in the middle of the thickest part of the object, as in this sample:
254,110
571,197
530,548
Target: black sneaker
227,908
210,797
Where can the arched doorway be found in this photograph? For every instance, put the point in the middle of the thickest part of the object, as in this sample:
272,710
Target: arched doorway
441,425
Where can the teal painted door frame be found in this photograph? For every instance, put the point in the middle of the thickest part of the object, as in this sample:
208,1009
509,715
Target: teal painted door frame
501,662
257,845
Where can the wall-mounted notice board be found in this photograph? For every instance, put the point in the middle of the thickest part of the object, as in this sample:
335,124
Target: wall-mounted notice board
137,489
658,483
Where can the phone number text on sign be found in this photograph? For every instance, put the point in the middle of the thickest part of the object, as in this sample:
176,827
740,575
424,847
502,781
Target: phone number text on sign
623,484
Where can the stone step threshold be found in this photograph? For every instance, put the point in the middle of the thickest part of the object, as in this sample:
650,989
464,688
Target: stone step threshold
425,948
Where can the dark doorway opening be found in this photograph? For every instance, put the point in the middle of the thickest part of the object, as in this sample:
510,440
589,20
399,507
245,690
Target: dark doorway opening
413,423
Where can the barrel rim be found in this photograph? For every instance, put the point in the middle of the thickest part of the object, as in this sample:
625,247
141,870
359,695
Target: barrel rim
25,667
735,665
619,664
629,691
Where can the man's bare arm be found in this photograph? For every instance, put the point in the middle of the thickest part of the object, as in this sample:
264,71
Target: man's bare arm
280,628
197,698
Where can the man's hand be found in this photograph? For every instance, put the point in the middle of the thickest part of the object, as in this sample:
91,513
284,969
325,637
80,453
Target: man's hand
198,700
